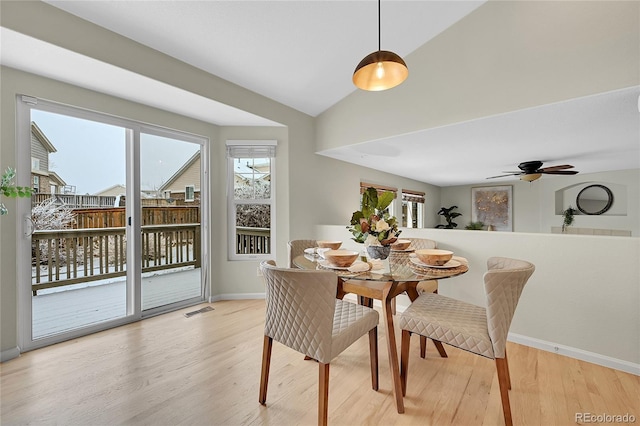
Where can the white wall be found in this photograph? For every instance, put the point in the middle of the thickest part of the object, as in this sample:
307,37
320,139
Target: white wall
534,204
503,56
583,297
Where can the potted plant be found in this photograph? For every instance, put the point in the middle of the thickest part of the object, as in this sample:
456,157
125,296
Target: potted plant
567,218
475,226
373,225
9,189
449,215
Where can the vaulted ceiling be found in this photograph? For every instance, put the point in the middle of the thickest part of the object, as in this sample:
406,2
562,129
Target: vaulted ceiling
302,54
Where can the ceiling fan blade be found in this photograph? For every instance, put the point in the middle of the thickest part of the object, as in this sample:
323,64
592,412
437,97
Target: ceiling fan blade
513,172
559,172
555,168
499,176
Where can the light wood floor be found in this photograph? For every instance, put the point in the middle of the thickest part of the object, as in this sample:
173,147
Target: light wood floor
205,370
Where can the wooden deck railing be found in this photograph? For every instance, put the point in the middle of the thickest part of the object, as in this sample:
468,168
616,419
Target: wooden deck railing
73,200
72,256
253,240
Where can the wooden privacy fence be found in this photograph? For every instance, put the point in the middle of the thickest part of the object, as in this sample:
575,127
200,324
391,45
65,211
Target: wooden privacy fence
72,256
116,217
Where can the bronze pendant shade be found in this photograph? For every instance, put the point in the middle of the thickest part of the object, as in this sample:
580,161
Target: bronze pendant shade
380,70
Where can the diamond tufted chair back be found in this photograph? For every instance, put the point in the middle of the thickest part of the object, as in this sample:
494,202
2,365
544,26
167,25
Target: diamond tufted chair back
503,285
479,330
422,243
299,309
302,313
296,248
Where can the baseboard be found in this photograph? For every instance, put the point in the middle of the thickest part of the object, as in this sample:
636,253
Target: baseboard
592,357
236,296
9,354
403,302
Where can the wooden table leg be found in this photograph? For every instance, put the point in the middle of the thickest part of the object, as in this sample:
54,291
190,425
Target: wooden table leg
392,348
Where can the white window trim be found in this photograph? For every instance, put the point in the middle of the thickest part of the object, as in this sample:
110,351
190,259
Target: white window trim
186,192
249,146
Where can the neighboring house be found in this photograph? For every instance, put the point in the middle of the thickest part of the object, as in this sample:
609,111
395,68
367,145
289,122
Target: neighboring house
119,191
114,190
184,186
59,186
41,147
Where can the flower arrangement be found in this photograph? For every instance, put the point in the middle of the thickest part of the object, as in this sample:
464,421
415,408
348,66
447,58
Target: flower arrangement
373,225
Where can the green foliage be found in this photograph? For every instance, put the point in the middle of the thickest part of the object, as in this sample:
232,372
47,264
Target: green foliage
9,189
374,219
449,215
567,217
475,226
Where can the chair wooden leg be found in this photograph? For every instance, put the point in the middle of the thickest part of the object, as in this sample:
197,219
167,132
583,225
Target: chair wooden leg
506,365
323,394
440,348
501,367
404,359
266,363
423,347
373,355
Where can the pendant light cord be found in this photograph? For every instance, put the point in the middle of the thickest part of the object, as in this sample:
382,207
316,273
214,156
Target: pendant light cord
379,37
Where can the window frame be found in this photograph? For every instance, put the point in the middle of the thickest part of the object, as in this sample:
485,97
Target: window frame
36,184
417,199
253,149
188,199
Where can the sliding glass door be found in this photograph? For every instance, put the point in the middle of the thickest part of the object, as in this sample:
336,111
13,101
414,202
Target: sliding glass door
171,173
109,236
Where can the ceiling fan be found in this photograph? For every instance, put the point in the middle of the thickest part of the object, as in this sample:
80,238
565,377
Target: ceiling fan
532,170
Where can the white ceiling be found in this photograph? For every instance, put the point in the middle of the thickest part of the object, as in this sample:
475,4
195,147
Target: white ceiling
302,54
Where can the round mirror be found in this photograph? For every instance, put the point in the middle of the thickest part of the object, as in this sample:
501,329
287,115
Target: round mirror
594,199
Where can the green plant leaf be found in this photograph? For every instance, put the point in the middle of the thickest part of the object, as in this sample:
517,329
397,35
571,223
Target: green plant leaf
369,202
384,200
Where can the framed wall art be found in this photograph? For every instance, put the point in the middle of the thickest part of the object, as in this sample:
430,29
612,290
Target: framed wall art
493,206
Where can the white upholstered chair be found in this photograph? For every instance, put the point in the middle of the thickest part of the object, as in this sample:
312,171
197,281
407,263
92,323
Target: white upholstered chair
302,312
430,286
470,327
297,247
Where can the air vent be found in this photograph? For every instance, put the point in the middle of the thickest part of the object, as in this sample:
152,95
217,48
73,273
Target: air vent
199,311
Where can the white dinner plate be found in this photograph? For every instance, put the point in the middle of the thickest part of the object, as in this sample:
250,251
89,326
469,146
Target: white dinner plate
450,264
409,250
325,264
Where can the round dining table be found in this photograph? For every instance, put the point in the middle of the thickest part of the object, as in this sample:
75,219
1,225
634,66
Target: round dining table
399,274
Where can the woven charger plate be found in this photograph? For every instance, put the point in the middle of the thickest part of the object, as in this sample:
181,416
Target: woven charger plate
438,271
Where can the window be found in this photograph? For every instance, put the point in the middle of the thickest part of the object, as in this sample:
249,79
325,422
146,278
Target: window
35,164
189,193
251,199
36,184
412,209
381,188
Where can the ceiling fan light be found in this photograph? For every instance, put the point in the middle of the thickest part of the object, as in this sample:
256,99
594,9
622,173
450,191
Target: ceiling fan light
531,177
380,70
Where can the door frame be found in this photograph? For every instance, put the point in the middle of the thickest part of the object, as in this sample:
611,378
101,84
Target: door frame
24,105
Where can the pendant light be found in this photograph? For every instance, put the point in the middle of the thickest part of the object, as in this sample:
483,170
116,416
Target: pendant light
380,70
